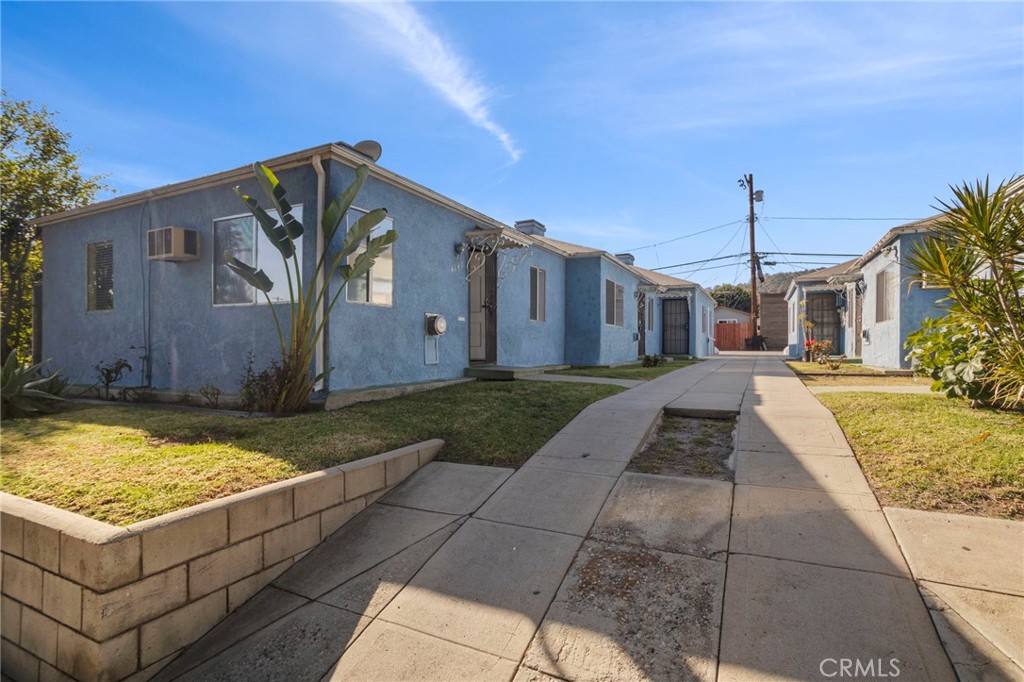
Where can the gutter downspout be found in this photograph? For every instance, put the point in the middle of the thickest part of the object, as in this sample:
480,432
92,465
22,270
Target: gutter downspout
320,353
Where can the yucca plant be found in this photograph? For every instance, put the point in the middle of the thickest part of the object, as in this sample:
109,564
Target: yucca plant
26,392
977,252
298,342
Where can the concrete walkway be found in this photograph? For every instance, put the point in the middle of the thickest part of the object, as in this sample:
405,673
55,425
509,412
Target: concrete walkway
571,569
970,571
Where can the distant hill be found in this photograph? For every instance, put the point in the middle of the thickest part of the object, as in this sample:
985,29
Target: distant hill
778,283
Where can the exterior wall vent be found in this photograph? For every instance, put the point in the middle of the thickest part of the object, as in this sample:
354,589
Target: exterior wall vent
531,226
173,244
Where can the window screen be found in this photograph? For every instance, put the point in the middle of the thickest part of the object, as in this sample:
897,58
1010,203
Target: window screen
100,274
538,294
613,303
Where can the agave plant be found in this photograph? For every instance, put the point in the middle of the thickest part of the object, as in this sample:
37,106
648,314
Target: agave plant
977,252
25,391
297,343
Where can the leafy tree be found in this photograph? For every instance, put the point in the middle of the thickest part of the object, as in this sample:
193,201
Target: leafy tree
977,252
732,296
290,381
40,176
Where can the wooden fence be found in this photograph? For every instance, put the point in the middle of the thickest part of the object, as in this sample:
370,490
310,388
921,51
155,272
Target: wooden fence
732,335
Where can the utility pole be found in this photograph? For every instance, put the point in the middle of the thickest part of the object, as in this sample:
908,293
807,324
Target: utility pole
755,342
755,326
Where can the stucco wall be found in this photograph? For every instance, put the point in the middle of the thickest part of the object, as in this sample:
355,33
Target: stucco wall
584,314
192,341
882,345
588,340
653,341
917,303
374,345
523,342
702,336
618,343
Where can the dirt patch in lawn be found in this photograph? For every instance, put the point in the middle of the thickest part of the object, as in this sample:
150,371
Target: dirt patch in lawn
688,446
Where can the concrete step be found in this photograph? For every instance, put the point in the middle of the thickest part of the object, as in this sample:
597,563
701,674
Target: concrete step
501,373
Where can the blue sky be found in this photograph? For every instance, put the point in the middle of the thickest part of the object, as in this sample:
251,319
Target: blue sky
618,125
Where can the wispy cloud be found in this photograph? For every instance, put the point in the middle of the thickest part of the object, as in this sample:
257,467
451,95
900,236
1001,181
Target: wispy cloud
730,66
406,34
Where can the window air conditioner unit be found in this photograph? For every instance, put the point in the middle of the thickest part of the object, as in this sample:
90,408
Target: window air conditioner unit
173,244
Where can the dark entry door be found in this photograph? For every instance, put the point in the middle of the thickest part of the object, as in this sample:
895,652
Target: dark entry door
821,309
641,324
675,326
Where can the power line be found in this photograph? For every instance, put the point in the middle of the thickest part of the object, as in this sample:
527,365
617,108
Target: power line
695,271
793,253
739,232
686,236
762,253
833,218
703,260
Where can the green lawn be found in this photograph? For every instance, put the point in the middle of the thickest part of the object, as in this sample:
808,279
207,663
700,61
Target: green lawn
933,453
628,371
802,368
126,464
814,380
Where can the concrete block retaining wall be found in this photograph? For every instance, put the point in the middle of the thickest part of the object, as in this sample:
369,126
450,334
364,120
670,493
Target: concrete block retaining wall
92,601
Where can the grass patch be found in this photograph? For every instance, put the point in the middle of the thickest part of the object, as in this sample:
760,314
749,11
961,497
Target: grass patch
687,446
637,372
125,464
932,453
848,380
813,368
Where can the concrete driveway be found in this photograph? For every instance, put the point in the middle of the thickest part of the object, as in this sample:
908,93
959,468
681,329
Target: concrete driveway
573,569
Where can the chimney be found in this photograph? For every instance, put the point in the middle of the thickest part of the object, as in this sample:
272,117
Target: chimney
531,226
626,258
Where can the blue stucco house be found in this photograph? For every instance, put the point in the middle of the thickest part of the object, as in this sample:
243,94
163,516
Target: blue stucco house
142,277
895,303
869,305
817,301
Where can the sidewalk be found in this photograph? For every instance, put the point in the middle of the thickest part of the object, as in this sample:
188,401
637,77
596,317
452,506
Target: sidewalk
571,568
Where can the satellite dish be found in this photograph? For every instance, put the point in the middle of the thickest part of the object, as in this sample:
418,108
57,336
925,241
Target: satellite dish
368,148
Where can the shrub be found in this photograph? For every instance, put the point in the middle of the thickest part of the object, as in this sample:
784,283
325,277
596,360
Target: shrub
211,394
25,391
953,356
259,391
111,374
976,253
820,350
651,361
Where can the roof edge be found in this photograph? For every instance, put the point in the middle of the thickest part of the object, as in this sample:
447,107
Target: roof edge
333,151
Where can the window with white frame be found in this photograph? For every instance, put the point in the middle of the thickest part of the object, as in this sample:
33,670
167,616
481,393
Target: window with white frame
885,296
704,319
242,237
99,294
650,313
538,294
378,285
613,303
